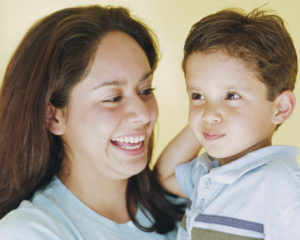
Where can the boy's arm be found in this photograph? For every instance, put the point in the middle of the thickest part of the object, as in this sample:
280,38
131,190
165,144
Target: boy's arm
184,147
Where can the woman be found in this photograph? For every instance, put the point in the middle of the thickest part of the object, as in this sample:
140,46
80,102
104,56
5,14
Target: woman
77,112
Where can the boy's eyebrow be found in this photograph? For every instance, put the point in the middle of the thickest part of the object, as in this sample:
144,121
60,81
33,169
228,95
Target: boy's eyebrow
229,87
237,87
118,82
188,87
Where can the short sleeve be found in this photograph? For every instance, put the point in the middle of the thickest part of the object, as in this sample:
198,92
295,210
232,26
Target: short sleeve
188,174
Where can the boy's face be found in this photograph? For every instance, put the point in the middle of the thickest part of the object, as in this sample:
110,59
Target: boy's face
229,110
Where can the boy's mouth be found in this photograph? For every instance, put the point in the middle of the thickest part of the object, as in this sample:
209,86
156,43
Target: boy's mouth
209,136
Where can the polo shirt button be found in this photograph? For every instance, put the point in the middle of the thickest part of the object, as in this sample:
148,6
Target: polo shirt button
207,183
200,203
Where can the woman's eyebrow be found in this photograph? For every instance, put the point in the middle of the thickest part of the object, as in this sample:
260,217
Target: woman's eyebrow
147,75
119,82
109,83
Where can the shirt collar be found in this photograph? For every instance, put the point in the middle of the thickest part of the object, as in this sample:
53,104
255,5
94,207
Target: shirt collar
230,172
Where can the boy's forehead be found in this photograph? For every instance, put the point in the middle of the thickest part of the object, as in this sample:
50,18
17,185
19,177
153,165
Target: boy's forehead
214,64
221,69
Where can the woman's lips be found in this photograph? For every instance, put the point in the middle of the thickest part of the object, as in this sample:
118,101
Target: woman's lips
128,146
133,144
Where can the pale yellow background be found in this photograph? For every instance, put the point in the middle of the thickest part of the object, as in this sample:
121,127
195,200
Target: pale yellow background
171,21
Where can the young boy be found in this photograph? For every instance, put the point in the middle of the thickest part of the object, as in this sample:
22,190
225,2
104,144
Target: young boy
240,72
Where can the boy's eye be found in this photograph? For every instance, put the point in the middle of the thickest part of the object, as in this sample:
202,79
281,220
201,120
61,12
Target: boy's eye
232,96
197,96
113,99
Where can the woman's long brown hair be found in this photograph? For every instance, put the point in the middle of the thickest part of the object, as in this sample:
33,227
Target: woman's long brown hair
51,59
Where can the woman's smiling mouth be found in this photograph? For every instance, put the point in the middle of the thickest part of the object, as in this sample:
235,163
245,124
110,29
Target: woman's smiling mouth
129,142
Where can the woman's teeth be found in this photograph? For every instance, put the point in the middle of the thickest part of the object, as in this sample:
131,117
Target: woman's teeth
129,143
132,147
138,139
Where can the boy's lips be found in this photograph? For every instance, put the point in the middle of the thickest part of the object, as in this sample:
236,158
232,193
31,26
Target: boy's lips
209,136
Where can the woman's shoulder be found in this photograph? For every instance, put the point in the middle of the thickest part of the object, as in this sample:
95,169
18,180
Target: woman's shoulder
30,222
42,217
54,213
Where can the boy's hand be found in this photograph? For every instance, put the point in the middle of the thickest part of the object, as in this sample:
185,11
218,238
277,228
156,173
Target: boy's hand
184,147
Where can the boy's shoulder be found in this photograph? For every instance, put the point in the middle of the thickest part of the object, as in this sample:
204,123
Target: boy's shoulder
283,163
278,176
267,167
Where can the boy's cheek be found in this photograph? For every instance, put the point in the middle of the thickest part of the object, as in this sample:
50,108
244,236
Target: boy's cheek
195,123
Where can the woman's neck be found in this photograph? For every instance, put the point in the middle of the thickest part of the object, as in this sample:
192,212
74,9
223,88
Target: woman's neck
106,197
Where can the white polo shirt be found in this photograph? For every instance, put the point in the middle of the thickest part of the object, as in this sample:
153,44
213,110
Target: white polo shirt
256,196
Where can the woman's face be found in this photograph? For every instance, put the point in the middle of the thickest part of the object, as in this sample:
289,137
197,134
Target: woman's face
111,113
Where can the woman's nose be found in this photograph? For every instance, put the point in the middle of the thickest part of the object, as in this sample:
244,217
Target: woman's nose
138,111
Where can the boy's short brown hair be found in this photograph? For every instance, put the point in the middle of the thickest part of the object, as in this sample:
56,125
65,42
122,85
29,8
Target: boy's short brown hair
259,39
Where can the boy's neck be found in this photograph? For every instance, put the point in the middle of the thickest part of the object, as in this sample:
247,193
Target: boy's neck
262,144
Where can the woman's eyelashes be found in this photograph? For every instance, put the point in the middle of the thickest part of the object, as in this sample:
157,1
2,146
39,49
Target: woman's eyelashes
113,99
146,92
143,93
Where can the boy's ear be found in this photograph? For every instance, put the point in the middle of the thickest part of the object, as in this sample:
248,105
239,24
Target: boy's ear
284,106
54,120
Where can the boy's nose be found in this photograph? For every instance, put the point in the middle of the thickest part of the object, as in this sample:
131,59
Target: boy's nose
211,114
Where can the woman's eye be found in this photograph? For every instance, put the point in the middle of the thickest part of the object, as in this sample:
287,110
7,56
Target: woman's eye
147,91
113,99
197,96
232,96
